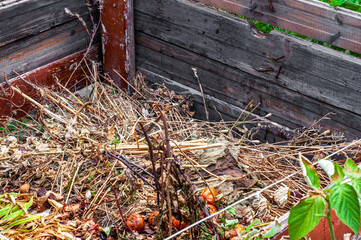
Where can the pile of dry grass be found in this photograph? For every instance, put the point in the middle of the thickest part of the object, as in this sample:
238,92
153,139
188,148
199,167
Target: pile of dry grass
91,158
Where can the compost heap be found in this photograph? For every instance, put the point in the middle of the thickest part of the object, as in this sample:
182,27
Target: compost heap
105,165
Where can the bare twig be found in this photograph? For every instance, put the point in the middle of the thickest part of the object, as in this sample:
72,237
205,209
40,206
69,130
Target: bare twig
119,208
151,155
201,88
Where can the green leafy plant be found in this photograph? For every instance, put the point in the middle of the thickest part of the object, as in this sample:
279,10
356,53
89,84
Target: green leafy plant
343,197
107,230
354,5
228,224
115,140
248,229
272,232
15,214
232,211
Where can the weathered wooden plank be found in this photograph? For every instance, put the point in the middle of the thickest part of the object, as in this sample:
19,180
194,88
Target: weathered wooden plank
12,104
117,36
27,54
313,70
174,35
11,8
312,18
30,17
221,110
238,88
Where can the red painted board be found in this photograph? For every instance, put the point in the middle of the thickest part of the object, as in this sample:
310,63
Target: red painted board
321,231
118,40
12,104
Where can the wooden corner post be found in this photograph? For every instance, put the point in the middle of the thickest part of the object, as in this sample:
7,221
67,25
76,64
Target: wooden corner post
118,40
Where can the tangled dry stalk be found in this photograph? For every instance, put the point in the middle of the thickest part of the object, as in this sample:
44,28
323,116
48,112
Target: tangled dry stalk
94,159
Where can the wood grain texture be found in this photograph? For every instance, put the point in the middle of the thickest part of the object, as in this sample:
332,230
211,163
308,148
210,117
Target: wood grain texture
30,17
312,18
41,39
220,81
174,35
117,37
222,110
12,104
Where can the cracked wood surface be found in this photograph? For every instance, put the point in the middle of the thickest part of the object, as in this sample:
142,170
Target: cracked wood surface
312,18
40,40
307,82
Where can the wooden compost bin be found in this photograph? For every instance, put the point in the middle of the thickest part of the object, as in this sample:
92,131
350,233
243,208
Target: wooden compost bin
296,80
48,40
305,80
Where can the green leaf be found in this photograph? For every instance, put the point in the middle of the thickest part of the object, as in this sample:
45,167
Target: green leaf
333,170
24,220
309,172
356,183
273,231
115,140
351,170
334,3
249,227
263,27
7,210
344,201
232,210
107,230
8,194
302,217
28,205
13,215
338,176
229,224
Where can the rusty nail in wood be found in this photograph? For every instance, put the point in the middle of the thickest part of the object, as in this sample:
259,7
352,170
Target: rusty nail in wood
277,59
270,5
279,71
265,70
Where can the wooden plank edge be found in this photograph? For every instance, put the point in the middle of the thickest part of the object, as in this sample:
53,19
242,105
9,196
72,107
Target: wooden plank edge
40,21
287,48
306,27
14,105
289,96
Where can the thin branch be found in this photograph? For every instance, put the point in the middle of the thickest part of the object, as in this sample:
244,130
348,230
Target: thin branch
151,154
120,210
